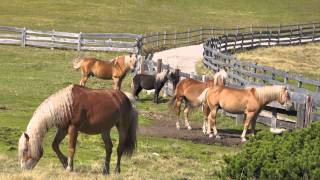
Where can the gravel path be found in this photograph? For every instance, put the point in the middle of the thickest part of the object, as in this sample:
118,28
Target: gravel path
184,58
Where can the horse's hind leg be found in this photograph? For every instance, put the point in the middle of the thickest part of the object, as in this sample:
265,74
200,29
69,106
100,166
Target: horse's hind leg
60,135
186,117
206,111
250,116
108,145
122,137
84,80
73,134
177,108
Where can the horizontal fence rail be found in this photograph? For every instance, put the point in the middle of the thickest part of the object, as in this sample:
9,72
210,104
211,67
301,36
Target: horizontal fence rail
306,92
121,42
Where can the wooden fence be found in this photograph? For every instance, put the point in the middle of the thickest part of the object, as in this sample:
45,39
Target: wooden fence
122,42
306,96
238,38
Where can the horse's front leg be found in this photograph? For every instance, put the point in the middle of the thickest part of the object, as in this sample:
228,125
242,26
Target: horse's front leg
60,135
73,134
83,80
116,83
177,108
249,117
212,123
186,117
156,96
108,145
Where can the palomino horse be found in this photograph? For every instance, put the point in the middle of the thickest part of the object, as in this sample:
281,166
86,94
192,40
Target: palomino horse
156,82
75,109
115,69
189,90
248,101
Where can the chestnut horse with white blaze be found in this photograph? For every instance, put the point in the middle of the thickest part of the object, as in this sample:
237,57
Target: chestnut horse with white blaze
75,109
115,69
188,90
248,101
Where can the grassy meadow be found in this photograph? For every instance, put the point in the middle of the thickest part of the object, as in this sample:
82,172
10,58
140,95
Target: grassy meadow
151,15
29,75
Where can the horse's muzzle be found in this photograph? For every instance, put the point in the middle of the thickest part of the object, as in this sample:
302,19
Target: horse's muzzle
289,105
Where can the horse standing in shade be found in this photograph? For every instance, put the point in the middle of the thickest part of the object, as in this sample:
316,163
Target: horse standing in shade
248,101
75,109
115,69
156,82
189,90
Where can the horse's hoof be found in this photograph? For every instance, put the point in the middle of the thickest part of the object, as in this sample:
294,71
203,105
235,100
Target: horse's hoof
189,127
178,127
210,135
69,169
243,139
218,137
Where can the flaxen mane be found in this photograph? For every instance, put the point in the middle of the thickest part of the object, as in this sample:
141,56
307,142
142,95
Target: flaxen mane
50,113
268,93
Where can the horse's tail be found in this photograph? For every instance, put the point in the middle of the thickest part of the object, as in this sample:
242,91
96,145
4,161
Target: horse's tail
131,138
203,95
77,62
220,78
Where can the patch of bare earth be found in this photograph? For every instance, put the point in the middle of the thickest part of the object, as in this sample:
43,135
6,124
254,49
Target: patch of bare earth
163,126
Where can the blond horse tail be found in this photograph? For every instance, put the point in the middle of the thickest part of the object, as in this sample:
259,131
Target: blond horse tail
203,95
220,77
77,63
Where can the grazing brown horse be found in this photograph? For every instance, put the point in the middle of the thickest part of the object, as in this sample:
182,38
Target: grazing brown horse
115,69
248,101
189,90
75,109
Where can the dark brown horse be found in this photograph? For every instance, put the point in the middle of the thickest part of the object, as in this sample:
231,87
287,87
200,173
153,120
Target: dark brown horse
248,101
115,69
75,109
156,82
188,90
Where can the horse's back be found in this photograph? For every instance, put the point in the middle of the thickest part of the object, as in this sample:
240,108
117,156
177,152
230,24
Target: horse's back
98,68
97,110
145,81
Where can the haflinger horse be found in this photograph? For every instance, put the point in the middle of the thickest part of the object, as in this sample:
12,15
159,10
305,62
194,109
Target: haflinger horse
189,90
115,69
156,82
248,101
75,109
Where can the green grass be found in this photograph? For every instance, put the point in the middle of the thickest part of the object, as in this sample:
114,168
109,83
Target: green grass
151,15
30,75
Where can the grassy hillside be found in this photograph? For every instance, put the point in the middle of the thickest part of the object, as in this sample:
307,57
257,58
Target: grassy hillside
304,60
150,15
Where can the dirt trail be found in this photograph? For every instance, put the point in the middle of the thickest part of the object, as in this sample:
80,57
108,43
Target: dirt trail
164,126
184,58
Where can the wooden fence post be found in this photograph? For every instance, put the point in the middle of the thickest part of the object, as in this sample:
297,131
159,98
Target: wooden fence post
157,39
52,39
300,34
192,75
286,79
279,31
188,35
313,31
252,37
301,111
318,88
274,118
201,33
23,37
79,41
300,82
226,44
239,118
269,41
290,35
142,65
159,65
260,36
175,37
164,37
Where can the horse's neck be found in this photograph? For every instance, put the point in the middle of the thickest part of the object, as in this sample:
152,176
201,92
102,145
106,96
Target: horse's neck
266,95
37,129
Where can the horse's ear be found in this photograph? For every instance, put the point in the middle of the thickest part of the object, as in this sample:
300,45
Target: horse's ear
26,136
253,90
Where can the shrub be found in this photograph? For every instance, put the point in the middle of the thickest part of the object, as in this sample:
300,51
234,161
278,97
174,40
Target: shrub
292,155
